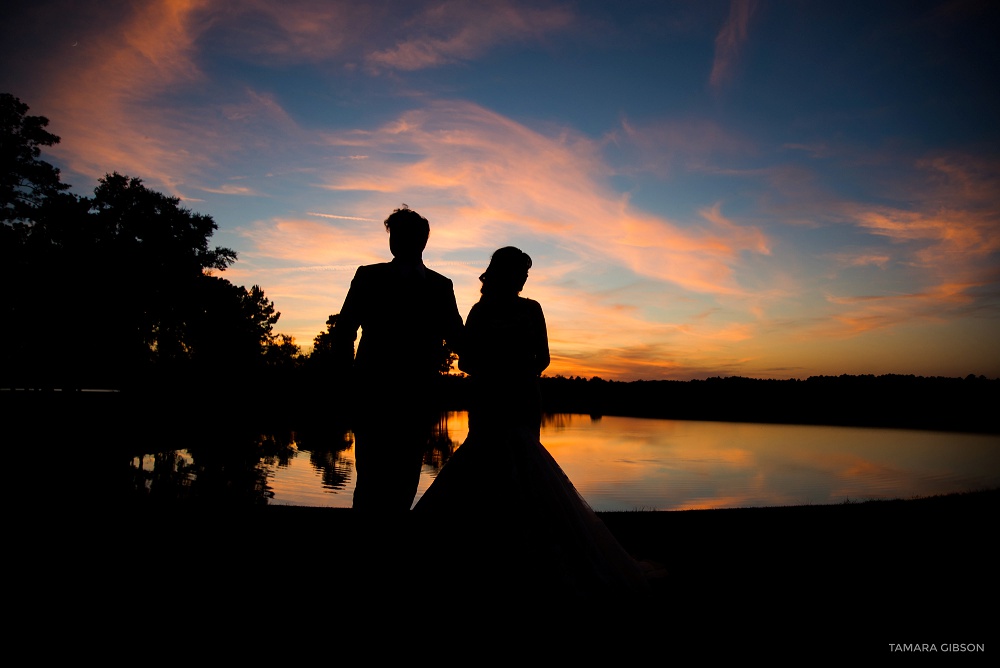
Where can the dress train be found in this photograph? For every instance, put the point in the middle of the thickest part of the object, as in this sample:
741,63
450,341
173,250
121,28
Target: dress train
503,509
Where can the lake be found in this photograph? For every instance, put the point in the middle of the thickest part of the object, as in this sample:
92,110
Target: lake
620,463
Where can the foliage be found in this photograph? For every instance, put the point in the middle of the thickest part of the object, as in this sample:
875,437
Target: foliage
153,231
25,180
281,352
448,359
323,349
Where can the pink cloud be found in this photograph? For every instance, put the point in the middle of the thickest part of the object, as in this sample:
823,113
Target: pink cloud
505,180
116,100
863,313
98,95
949,239
229,189
313,243
118,103
934,251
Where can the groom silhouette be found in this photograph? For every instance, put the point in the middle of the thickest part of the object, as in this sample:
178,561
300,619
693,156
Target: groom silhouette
406,312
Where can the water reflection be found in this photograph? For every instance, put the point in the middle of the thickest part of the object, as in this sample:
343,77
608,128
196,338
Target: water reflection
309,468
616,464
624,463
213,469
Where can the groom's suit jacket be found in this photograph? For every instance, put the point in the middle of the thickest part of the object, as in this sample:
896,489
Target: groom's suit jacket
405,312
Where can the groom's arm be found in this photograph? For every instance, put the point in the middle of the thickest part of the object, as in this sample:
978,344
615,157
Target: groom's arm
345,333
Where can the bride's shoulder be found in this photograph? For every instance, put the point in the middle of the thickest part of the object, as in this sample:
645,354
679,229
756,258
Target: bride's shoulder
530,305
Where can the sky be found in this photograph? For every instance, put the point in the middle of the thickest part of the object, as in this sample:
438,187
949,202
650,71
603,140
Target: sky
706,188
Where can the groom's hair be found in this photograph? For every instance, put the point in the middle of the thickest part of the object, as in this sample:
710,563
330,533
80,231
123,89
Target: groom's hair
409,227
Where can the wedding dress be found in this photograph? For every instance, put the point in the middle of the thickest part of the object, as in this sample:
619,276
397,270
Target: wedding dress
501,508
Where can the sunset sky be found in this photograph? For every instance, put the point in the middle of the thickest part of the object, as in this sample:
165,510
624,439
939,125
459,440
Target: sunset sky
764,189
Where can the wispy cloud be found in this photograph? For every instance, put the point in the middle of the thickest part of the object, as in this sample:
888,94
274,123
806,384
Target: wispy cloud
450,32
730,40
933,254
230,190
381,36
860,259
118,98
671,146
336,217
100,93
507,181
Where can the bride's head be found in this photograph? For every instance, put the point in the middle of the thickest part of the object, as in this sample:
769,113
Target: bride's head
507,272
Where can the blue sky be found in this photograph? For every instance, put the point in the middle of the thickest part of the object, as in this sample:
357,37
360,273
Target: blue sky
767,189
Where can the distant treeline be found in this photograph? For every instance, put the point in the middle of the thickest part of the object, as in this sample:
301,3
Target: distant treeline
306,396
905,401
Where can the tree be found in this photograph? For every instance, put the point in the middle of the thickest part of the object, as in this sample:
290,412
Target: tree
259,315
149,256
26,181
154,230
323,343
30,190
447,357
220,330
282,352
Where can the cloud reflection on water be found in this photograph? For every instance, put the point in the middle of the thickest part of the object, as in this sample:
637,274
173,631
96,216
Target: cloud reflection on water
622,463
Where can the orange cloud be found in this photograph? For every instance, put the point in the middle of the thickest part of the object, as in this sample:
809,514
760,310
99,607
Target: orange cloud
948,241
313,243
100,94
924,262
508,181
116,98
229,189
949,231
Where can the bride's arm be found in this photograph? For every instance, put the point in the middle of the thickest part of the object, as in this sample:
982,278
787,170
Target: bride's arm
468,356
541,344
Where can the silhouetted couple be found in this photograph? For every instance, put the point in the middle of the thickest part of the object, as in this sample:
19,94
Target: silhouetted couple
501,494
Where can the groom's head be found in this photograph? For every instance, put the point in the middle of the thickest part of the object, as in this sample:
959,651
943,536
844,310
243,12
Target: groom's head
408,233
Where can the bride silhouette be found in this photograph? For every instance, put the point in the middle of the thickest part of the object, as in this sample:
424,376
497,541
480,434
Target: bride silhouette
501,510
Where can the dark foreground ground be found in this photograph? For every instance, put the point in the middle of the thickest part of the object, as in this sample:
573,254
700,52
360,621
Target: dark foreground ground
848,578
